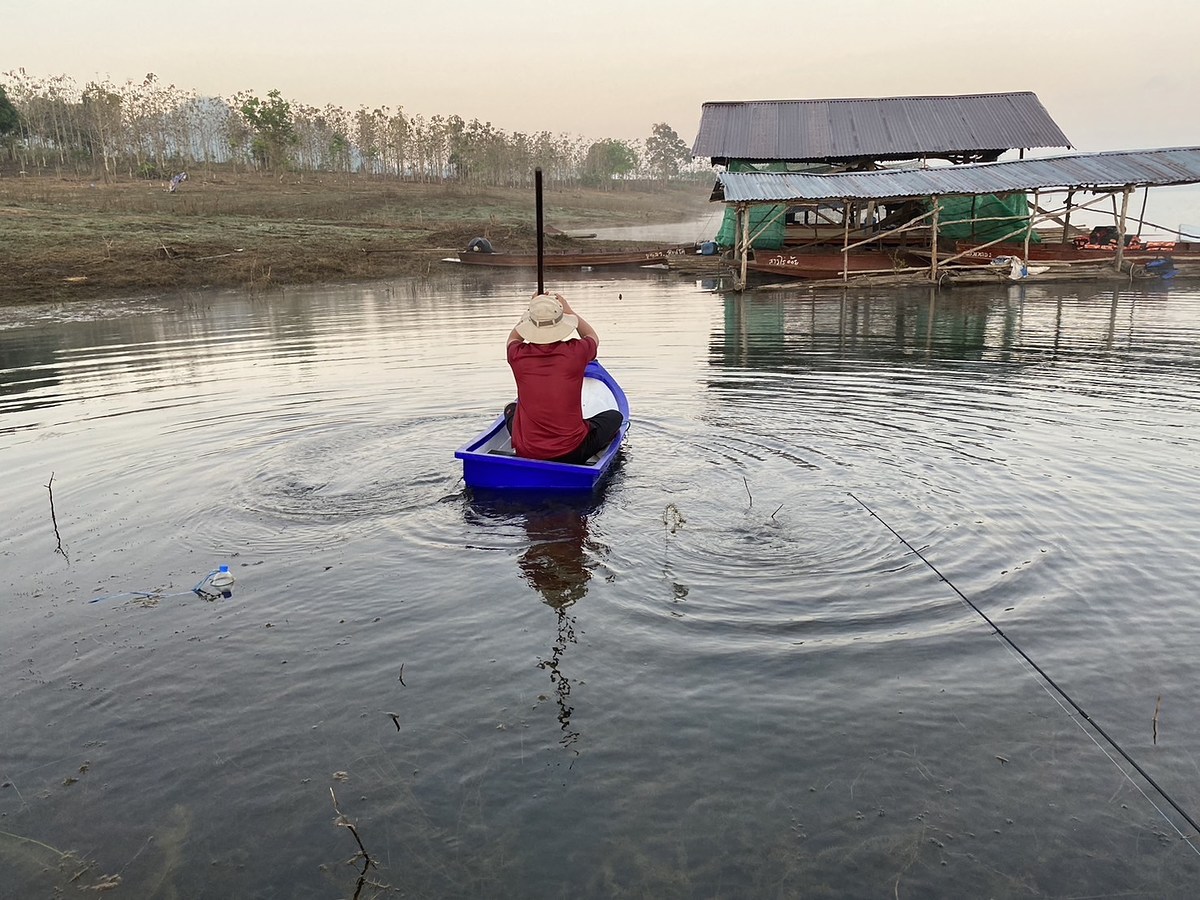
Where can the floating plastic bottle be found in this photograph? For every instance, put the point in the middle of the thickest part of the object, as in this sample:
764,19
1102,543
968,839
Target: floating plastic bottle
222,579
217,583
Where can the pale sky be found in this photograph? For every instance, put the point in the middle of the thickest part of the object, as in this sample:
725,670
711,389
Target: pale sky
1114,76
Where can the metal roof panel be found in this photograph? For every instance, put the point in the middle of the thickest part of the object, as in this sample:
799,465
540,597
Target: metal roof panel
889,127
1099,171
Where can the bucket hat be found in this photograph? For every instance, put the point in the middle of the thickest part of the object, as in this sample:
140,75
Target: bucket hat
545,322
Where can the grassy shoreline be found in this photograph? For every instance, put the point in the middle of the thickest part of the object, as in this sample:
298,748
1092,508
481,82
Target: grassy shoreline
72,238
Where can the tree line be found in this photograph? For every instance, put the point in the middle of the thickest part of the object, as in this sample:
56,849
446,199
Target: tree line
145,129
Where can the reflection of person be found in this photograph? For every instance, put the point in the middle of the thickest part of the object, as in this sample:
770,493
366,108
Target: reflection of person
556,562
547,420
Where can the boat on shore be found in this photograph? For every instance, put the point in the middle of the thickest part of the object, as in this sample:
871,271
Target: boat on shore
573,259
490,463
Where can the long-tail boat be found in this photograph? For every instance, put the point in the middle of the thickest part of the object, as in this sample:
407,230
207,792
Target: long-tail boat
573,259
820,263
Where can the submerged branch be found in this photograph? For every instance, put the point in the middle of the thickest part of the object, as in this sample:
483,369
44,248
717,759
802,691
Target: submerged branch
54,521
342,822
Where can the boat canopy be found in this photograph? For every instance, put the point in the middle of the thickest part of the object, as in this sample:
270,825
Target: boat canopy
1108,171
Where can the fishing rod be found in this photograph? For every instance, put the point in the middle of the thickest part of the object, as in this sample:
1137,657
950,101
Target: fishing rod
1050,681
537,194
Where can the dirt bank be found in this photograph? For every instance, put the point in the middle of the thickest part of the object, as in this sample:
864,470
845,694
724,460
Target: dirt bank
65,238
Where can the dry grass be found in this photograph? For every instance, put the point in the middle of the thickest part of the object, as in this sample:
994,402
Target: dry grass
68,237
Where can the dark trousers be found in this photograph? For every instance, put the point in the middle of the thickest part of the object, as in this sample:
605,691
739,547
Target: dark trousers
602,428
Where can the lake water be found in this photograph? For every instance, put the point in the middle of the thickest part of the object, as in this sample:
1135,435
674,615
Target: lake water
720,677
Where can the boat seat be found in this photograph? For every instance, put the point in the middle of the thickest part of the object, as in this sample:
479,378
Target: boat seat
508,451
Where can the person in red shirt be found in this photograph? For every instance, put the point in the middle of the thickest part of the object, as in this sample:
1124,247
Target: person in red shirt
547,420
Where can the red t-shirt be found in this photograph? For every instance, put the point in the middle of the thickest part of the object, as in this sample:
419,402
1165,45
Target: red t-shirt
549,420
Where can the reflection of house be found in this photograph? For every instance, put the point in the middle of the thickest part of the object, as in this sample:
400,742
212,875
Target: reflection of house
819,334
811,173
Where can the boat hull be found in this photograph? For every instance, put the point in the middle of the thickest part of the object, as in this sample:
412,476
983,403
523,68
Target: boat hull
821,264
973,253
489,463
571,260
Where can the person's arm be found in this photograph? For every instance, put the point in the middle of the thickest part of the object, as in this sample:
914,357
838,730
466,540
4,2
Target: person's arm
585,330
514,336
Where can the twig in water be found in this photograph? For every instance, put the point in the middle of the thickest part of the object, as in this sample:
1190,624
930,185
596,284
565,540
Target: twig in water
402,674
54,521
748,494
777,509
342,822
1156,707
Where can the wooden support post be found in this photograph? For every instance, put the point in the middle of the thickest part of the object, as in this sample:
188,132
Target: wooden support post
1120,255
737,233
1029,232
846,241
1067,217
933,241
1142,217
745,211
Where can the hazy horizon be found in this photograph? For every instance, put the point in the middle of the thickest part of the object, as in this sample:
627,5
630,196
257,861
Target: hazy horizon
1111,78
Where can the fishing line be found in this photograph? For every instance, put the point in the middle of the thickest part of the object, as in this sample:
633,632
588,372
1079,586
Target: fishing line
1061,693
204,589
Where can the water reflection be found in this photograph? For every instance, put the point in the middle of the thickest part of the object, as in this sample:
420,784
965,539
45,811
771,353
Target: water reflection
559,562
1018,324
759,331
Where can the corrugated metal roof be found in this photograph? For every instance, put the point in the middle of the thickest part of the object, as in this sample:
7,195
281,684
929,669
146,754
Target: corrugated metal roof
1102,171
886,128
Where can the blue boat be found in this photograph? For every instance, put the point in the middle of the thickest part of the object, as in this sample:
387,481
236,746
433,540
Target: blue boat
489,461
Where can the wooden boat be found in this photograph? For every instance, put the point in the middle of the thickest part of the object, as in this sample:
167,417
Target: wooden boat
489,461
819,263
1138,251
573,260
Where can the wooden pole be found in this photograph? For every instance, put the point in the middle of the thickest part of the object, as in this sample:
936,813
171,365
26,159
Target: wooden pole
537,192
1067,218
933,241
1120,255
1142,217
744,209
846,241
1029,231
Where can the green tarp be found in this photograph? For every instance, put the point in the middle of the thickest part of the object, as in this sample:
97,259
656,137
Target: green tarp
1010,212
771,237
